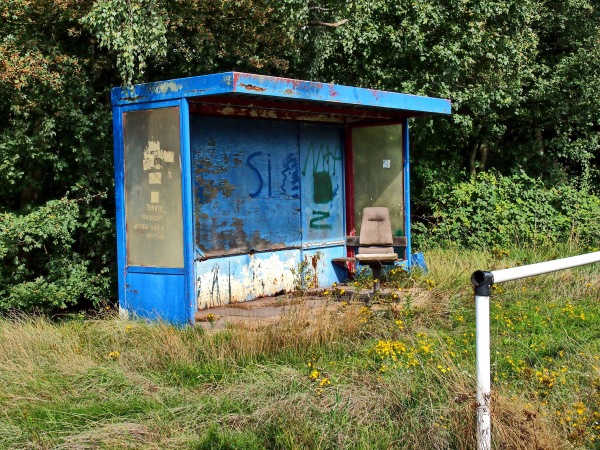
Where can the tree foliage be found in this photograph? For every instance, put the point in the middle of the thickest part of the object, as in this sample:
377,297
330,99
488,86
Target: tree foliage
503,211
134,30
56,237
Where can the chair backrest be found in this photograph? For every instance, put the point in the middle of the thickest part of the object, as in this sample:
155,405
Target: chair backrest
376,228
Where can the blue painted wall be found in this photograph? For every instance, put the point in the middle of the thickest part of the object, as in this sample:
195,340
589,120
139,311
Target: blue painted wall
265,187
247,188
322,176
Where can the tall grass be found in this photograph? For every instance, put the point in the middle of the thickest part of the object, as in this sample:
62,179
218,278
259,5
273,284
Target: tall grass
399,374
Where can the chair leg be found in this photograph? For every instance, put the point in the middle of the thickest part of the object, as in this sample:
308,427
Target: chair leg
376,277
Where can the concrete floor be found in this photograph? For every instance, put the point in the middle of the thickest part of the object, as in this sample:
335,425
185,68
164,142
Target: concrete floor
272,308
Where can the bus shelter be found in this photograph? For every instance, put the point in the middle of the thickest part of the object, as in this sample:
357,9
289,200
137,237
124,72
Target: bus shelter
227,185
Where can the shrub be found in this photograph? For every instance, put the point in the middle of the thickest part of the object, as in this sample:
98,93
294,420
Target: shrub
494,210
41,269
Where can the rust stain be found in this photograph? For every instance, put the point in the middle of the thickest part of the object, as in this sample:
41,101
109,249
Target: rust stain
251,87
288,92
224,284
314,261
226,188
258,241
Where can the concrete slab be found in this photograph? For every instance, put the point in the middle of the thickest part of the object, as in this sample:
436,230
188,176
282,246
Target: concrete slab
267,309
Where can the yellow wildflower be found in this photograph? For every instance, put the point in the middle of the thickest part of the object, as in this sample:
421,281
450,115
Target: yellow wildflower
324,382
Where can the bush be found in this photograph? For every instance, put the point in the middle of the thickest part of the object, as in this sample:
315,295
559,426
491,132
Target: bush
41,269
494,210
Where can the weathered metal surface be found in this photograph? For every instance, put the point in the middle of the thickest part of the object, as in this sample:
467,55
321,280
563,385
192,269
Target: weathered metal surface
320,263
273,87
150,167
243,106
251,179
239,278
155,296
247,185
264,165
322,180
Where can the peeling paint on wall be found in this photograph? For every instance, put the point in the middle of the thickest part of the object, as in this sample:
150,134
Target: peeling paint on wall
246,185
253,181
166,87
244,277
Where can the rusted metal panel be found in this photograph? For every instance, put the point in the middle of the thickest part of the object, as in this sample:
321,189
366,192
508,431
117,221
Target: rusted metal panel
252,176
320,263
239,278
247,185
242,106
322,176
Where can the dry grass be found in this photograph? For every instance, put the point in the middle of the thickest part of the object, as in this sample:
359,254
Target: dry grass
310,379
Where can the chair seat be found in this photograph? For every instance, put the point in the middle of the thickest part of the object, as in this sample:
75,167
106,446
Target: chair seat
381,257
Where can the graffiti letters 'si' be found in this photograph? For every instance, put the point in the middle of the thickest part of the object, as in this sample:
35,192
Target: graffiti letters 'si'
257,172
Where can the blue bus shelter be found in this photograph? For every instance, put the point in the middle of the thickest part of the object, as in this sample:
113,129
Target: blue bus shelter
227,182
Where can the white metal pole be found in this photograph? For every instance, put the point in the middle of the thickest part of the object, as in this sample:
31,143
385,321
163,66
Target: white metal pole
482,283
482,342
515,273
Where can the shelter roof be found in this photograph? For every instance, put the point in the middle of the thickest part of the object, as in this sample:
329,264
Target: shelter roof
245,90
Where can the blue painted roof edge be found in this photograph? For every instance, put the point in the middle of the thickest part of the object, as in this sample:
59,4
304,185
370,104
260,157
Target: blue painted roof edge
280,88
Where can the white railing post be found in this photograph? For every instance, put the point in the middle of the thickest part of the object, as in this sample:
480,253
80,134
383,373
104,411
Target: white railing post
482,283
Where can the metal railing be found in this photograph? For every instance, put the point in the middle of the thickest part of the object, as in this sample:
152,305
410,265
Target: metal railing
482,282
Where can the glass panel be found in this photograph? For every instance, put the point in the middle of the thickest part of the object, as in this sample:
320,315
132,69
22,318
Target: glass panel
378,172
153,202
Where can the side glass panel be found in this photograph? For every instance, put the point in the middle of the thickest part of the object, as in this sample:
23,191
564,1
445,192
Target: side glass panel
378,172
153,202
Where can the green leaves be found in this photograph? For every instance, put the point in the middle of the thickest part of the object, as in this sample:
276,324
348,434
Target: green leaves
133,29
497,211
39,269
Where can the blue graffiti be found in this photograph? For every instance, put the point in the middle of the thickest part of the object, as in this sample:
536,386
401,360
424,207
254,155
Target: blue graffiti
257,172
291,171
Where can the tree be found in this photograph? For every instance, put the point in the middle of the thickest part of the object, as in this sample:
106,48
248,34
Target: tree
58,61
521,76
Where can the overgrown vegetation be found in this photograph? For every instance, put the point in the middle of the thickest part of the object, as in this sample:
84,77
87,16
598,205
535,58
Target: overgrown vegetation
398,374
492,210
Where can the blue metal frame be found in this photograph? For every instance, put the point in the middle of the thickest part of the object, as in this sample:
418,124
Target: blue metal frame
406,156
188,210
187,206
278,88
119,169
